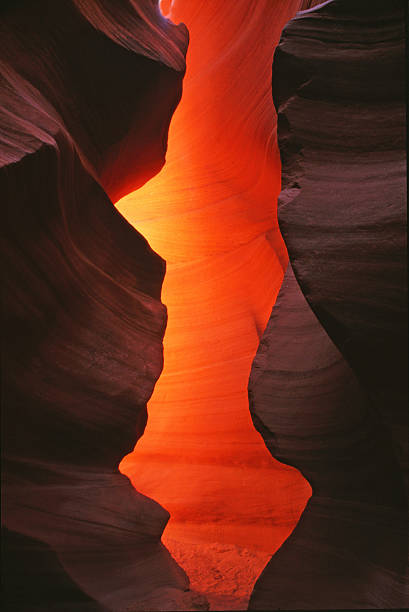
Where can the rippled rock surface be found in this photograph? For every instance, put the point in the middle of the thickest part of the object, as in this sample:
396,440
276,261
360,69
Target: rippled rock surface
328,387
86,104
211,213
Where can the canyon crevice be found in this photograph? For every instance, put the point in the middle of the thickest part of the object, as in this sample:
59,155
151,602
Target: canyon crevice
89,88
211,213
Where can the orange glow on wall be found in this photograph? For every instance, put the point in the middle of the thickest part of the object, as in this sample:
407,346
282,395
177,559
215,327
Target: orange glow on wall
211,214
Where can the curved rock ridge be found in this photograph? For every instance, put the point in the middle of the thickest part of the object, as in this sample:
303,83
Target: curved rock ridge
308,4
82,314
312,413
138,26
327,388
351,263
90,82
211,214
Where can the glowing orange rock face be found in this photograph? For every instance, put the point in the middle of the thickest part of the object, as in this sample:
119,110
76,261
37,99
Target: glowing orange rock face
211,213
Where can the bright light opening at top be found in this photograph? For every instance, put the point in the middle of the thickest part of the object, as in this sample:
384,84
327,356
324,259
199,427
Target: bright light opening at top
165,7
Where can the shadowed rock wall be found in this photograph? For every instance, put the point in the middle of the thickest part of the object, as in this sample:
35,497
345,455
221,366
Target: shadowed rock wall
328,388
85,112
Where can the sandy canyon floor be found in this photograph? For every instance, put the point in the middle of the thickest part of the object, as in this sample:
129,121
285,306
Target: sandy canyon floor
224,573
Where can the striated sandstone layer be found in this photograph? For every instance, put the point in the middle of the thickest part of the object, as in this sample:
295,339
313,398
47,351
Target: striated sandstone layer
328,389
86,105
211,213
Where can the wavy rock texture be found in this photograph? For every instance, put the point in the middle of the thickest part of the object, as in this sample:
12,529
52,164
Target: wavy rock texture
327,387
85,107
307,4
211,214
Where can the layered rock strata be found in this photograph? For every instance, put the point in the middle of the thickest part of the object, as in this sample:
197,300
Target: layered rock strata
86,105
327,388
211,214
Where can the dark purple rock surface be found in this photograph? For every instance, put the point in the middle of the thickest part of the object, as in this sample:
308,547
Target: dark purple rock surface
85,109
328,388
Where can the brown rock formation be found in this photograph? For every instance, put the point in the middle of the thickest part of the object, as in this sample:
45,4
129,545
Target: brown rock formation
328,389
82,314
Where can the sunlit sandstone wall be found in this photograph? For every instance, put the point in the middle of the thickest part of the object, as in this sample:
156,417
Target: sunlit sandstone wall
211,214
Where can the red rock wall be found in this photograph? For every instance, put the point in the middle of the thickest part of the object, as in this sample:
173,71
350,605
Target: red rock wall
211,213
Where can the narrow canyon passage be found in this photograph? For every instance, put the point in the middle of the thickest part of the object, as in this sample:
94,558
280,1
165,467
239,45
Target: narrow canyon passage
88,91
211,214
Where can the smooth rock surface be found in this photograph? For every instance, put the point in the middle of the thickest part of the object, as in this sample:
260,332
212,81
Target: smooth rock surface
313,414
211,213
84,110
343,206
327,388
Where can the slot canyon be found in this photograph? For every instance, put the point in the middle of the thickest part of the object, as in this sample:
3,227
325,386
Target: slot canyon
231,504
204,389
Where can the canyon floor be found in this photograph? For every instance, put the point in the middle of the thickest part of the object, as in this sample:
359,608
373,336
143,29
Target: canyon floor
224,573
